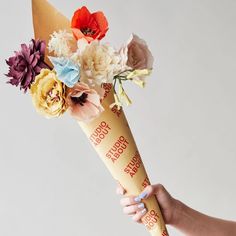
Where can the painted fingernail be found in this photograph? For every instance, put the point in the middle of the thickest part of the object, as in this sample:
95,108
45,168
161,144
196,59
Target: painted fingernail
144,211
137,199
141,206
142,195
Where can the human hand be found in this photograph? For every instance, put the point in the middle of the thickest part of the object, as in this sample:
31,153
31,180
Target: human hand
185,219
134,206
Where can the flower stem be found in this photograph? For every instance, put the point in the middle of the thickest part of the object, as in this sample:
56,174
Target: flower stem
114,85
123,72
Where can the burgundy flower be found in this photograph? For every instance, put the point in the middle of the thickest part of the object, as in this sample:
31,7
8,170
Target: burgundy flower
26,64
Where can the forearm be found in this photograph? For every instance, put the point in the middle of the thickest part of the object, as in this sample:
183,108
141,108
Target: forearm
194,223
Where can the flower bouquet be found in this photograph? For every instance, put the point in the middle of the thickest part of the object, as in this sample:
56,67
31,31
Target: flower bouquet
67,68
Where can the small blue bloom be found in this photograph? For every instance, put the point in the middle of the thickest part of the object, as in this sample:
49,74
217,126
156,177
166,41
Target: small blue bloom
67,71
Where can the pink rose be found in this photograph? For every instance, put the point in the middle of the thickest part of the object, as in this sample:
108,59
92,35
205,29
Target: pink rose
139,56
84,103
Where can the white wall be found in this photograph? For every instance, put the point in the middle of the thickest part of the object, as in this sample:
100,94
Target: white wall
183,122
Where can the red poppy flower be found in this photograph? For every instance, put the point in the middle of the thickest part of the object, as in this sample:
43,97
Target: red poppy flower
89,26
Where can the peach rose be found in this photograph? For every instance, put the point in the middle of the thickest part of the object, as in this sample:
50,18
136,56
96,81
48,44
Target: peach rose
138,55
84,102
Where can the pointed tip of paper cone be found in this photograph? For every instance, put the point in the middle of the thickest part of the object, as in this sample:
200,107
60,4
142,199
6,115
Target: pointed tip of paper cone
46,20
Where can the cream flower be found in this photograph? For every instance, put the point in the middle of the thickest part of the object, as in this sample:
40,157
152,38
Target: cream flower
48,94
138,76
62,44
99,62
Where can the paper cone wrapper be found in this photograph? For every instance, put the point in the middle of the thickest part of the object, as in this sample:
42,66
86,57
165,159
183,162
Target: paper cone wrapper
46,20
112,139
109,134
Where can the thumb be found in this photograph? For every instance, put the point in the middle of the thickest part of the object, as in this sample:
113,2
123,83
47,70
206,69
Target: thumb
149,191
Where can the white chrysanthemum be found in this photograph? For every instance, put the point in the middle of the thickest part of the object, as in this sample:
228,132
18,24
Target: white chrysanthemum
99,62
81,45
62,44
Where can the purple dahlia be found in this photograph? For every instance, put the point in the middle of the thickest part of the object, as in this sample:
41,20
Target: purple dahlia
26,64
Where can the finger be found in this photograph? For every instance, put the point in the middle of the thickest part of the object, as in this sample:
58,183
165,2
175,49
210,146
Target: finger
133,209
160,189
138,216
127,201
120,190
151,190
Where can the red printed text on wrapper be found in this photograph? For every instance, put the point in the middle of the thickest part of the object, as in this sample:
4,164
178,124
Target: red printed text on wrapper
99,133
107,87
150,219
117,149
146,182
134,165
116,110
164,233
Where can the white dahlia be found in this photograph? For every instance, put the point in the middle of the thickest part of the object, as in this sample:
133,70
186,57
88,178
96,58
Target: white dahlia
62,44
99,62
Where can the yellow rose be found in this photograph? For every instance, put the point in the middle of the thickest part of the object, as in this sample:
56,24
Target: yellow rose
48,94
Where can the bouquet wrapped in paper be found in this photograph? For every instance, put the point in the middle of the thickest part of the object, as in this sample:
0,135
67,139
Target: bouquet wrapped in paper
67,68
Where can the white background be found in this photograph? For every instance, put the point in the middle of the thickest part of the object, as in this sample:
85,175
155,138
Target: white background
51,181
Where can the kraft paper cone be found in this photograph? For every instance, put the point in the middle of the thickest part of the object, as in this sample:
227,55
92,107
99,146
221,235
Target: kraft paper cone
112,139
110,133
46,20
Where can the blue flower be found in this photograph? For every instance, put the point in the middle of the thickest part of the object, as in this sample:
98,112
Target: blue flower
67,71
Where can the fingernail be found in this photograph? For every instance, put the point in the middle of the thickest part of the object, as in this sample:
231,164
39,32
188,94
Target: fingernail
141,205
144,211
142,195
137,199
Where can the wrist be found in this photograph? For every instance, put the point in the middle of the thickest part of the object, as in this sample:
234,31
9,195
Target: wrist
188,221
178,212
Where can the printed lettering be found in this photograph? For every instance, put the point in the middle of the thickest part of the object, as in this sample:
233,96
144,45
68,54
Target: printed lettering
99,133
146,182
164,233
116,111
117,149
107,87
150,219
134,165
